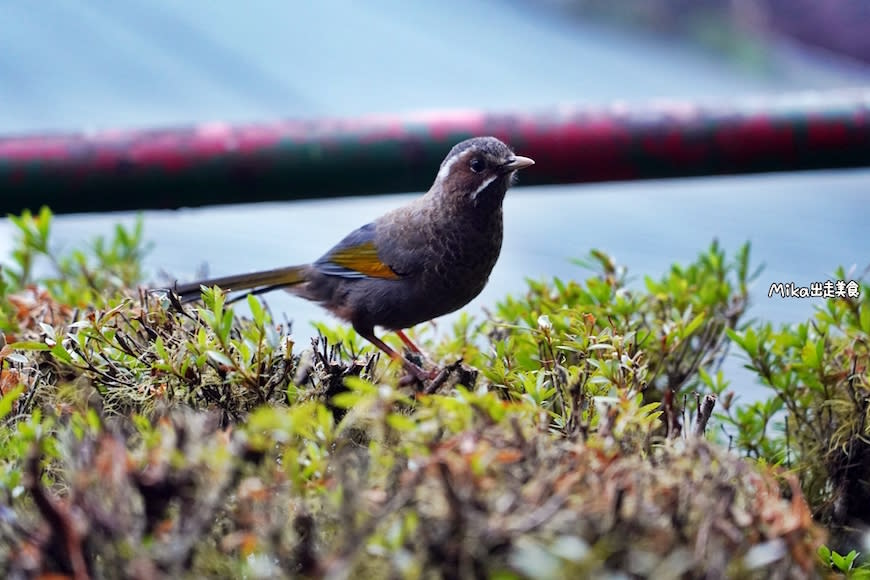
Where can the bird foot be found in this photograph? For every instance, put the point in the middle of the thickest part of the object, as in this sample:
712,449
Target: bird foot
416,374
417,358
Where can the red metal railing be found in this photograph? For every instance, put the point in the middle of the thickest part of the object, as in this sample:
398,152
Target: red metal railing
217,163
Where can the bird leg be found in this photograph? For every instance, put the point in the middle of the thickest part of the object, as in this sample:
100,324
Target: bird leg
408,342
421,356
412,369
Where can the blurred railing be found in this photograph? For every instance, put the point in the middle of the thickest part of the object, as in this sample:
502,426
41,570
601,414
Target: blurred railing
218,163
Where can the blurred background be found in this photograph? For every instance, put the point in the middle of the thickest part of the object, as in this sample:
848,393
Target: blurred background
69,66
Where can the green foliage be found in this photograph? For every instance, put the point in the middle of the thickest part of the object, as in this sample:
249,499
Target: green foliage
816,419
844,564
34,233
77,279
142,437
603,337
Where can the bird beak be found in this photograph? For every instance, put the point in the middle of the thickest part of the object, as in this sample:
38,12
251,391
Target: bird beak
517,162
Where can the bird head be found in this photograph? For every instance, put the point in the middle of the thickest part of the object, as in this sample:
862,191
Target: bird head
478,172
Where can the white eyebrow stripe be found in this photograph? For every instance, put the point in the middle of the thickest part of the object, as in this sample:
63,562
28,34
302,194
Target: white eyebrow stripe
445,169
483,186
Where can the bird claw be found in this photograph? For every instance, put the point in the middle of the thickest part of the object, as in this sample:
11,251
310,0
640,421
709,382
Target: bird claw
416,374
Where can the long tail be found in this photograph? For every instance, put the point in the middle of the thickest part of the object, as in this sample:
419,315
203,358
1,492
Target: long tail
259,282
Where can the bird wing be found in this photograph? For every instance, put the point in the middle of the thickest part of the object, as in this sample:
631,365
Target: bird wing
356,256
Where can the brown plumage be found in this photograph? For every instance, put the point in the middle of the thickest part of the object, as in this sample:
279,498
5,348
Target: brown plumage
415,263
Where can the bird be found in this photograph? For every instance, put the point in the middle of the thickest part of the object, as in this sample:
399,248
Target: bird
415,263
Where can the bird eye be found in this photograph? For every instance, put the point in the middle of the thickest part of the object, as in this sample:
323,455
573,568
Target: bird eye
477,164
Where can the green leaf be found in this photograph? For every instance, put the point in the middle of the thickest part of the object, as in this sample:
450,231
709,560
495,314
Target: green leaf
43,223
864,318
360,385
750,342
839,562
401,422
693,325
60,353
825,554
257,311
346,400
160,348
810,355
29,345
226,324
736,338
8,400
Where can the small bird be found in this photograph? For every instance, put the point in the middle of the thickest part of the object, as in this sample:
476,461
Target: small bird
414,263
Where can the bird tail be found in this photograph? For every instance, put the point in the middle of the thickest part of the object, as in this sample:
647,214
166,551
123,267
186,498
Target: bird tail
258,282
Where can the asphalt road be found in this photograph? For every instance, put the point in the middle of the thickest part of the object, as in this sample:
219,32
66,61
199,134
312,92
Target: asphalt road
137,63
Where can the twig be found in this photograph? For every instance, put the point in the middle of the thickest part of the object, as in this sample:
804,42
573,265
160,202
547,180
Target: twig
65,531
705,411
442,377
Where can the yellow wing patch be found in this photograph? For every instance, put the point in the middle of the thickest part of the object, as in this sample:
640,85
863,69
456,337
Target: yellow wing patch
362,258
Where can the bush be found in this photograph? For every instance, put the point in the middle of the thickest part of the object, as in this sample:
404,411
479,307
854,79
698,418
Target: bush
566,435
